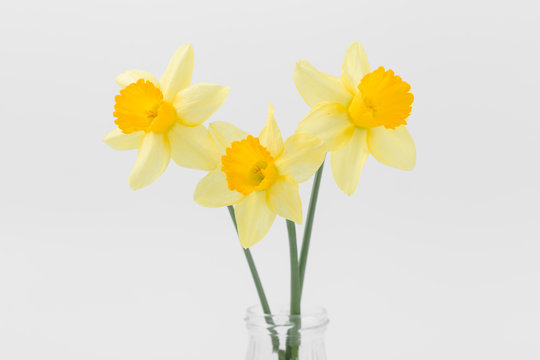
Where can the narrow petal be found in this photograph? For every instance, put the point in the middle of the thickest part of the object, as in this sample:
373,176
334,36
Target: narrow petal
225,133
131,76
348,161
283,199
394,148
177,76
254,218
195,104
212,191
330,122
120,141
302,156
193,147
270,136
152,160
316,87
354,67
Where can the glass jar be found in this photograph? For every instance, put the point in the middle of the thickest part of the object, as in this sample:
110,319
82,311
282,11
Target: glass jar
281,336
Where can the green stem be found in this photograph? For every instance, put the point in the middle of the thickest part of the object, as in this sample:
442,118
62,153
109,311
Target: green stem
258,285
295,273
293,334
309,226
253,269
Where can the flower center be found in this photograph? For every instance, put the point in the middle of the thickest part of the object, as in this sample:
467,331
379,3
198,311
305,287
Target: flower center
248,166
383,100
140,107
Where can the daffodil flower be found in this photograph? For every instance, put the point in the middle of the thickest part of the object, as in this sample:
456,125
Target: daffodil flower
259,175
360,113
162,119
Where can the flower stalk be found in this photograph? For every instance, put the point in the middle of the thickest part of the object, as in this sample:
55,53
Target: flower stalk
293,338
309,226
258,285
253,269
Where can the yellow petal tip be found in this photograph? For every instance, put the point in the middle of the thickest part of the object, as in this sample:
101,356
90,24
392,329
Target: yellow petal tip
300,64
411,168
133,186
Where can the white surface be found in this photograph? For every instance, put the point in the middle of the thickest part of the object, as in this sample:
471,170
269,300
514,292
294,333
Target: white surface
438,263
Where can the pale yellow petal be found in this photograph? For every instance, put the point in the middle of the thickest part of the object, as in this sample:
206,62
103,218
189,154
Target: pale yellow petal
354,67
131,76
270,136
394,148
193,147
283,199
120,141
225,133
152,160
195,104
302,156
316,87
177,76
330,122
254,219
212,191
348,161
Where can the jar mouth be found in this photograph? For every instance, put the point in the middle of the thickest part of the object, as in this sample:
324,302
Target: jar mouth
311,317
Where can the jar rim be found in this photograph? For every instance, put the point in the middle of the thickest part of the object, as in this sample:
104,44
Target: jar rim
311,317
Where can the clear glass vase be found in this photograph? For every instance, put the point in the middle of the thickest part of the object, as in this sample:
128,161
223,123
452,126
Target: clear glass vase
281,336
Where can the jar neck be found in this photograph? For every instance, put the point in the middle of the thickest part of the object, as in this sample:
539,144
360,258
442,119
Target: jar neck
310,324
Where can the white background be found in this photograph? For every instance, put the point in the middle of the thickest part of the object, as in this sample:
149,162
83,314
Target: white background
439,263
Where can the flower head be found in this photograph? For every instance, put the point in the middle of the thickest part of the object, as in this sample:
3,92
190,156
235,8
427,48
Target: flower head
249,166
259,175
163,119
361,112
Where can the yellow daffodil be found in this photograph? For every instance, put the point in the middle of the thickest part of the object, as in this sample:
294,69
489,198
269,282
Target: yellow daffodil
162,119
259,175
360,113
